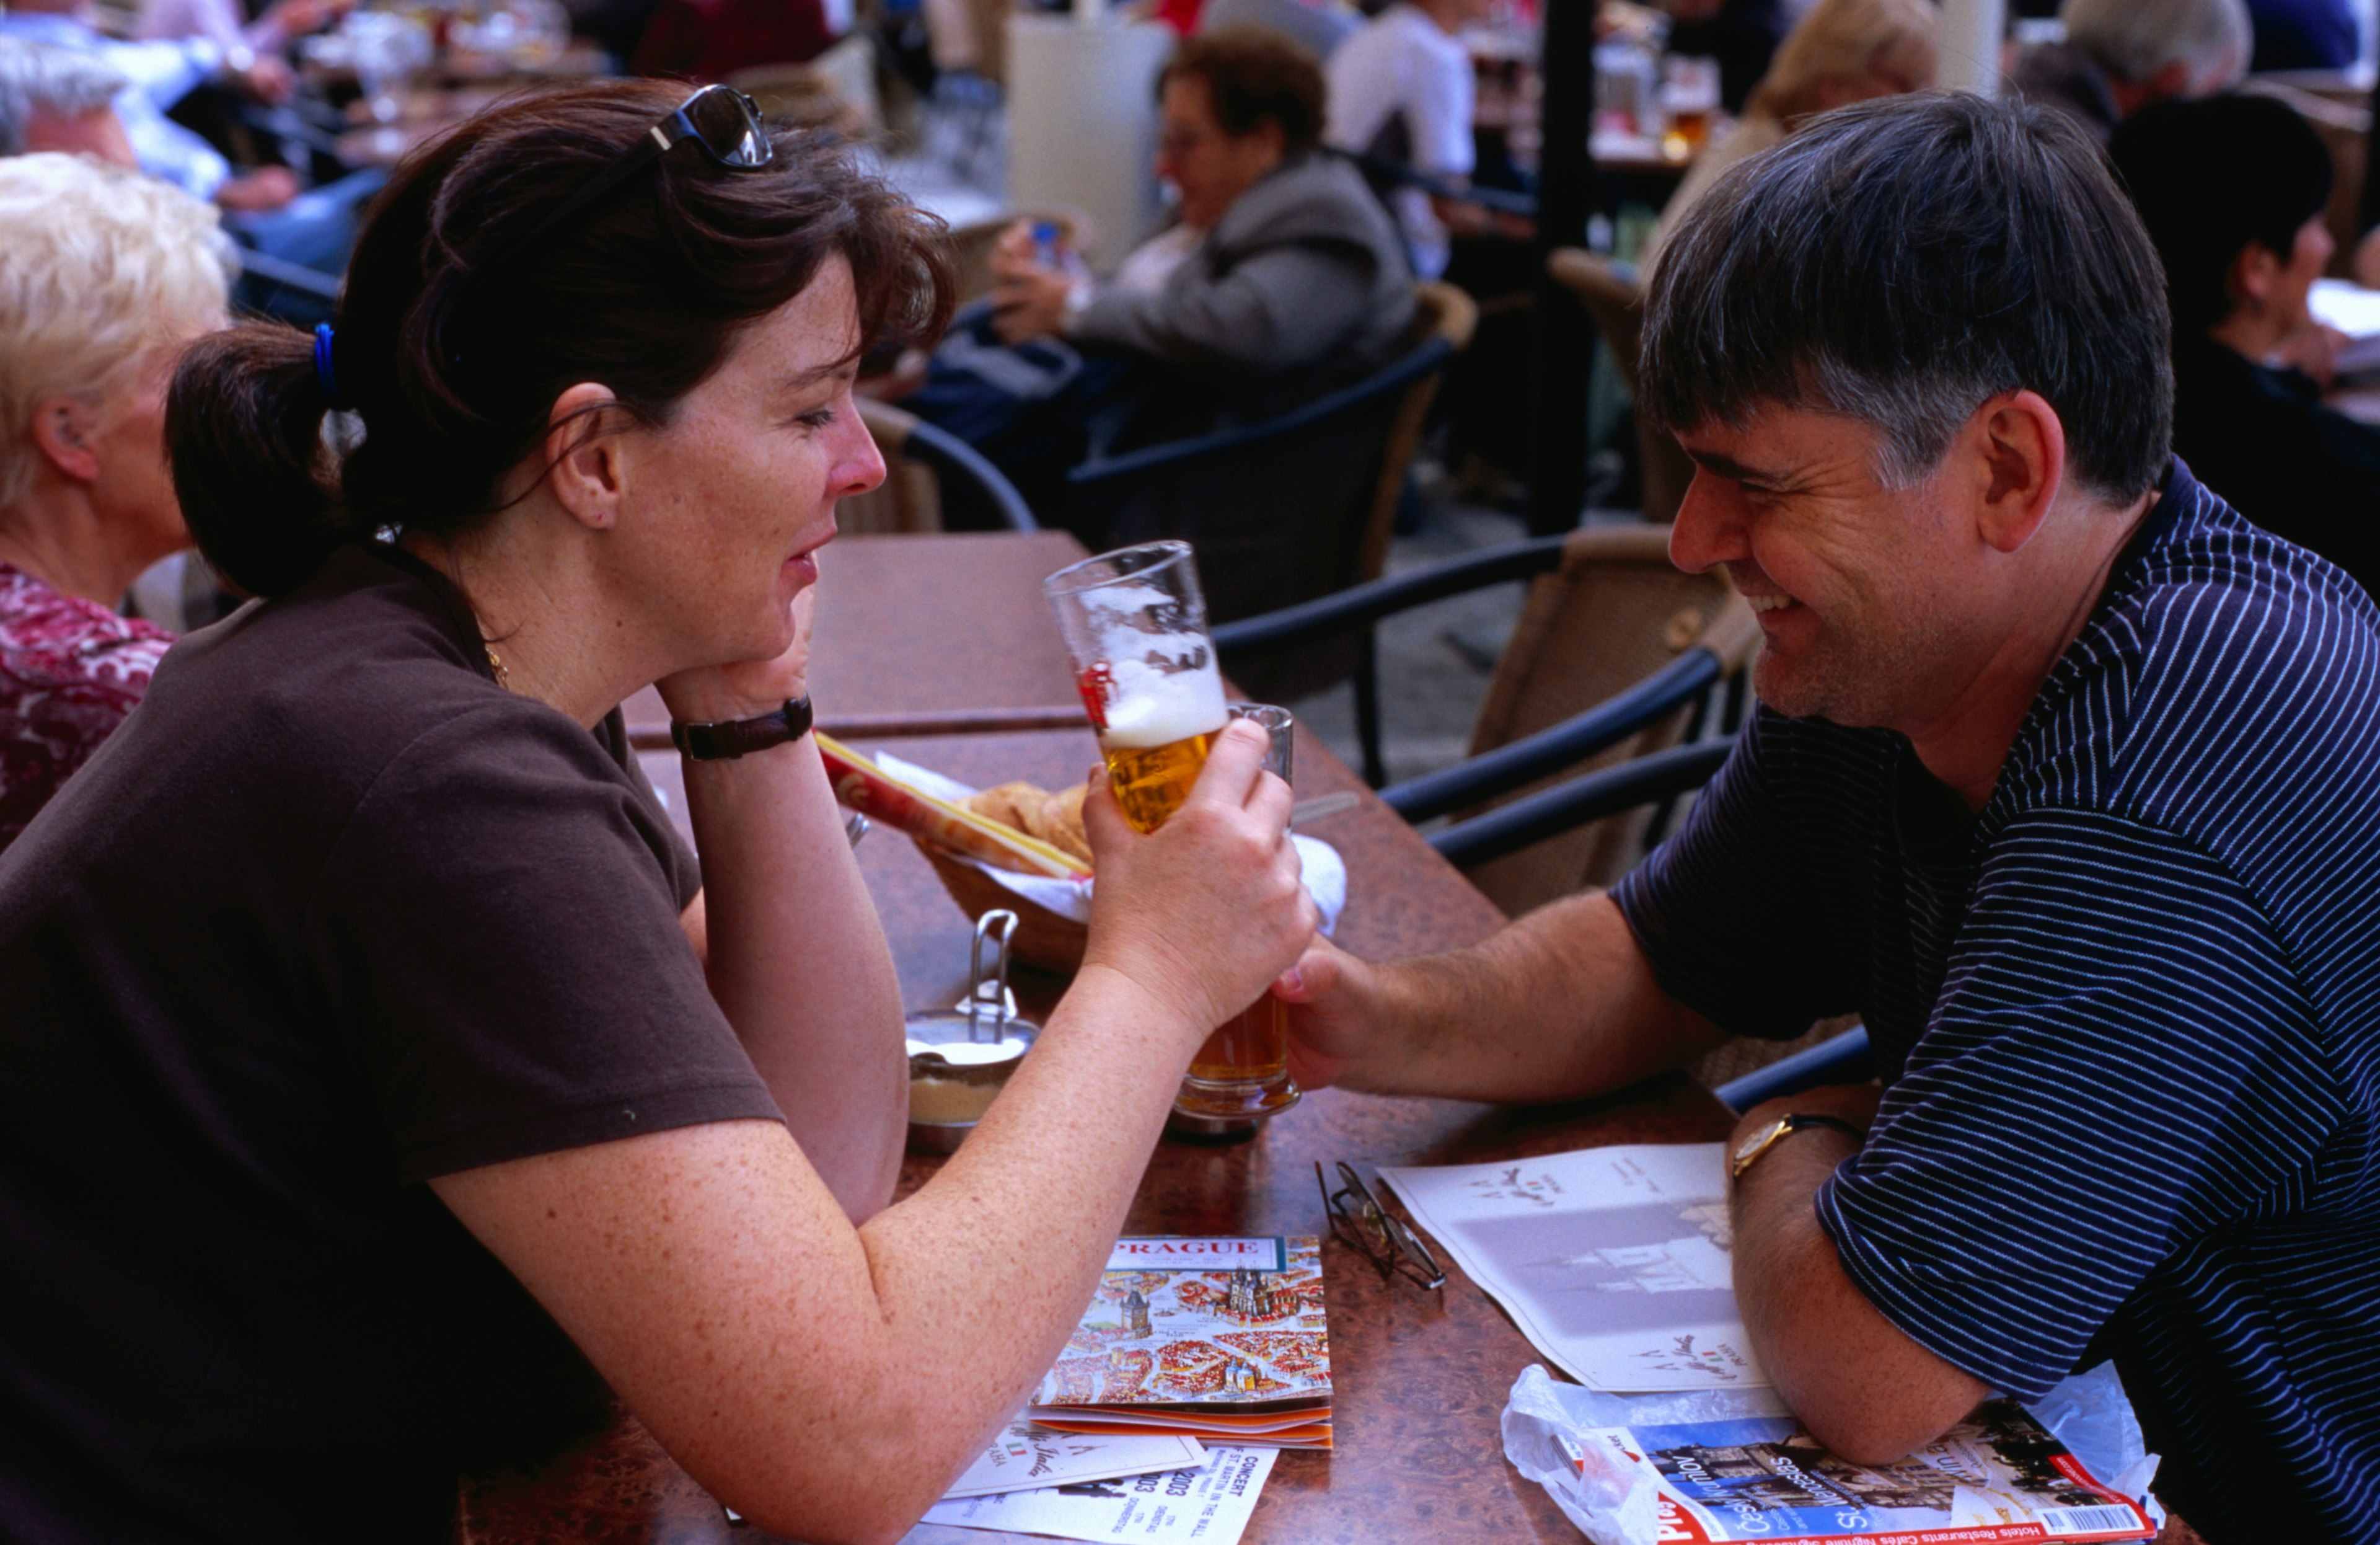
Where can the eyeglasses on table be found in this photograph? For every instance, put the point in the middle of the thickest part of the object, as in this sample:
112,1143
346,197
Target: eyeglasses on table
1360,1223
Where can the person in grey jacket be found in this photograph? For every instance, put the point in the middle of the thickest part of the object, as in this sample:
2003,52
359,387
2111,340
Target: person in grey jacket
1280,278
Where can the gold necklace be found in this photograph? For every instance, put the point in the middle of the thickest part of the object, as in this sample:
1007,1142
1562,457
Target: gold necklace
495,663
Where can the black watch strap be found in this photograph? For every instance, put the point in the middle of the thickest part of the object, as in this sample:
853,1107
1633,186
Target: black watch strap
735,738
1797,1122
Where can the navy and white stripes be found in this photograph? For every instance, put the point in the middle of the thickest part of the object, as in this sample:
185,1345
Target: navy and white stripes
2131,1014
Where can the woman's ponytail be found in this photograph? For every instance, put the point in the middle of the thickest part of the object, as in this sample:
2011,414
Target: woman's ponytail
244,422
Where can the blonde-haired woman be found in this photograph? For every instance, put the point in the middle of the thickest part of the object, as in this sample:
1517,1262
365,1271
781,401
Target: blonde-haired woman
105,276
1840,51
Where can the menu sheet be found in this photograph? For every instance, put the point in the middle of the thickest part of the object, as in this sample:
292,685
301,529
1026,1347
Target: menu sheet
1614,1261
1026,1457
1208,1504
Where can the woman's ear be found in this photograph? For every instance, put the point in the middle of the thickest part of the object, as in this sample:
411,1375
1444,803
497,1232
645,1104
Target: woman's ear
588,474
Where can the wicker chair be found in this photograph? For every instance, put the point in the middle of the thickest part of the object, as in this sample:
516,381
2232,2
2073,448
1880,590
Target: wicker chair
1614,612
1614,298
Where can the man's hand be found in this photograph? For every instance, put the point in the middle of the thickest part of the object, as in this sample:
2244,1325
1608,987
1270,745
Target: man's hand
1032,305
268,78
2312,350
267,187
1331,996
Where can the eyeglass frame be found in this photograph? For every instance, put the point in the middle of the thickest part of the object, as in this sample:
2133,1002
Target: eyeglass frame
1403,1252
666,135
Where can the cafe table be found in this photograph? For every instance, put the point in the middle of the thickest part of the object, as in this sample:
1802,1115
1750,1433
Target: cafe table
918,628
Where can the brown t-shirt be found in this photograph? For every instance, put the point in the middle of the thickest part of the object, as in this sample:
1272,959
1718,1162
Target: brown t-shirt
331,914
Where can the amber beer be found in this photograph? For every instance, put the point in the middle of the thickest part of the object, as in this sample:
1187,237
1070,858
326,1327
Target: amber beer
1152,782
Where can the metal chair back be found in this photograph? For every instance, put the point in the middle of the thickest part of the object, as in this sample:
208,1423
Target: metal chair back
924,470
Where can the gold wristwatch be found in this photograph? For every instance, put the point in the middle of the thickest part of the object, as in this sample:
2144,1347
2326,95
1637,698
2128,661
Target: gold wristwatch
1760,1142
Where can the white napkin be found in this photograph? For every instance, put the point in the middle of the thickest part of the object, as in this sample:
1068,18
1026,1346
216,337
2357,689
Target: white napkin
1324,872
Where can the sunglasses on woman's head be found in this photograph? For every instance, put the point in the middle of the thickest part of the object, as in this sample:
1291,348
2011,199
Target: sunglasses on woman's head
722,121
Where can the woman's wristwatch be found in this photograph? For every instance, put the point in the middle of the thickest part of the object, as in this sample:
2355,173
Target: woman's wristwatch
726,739
1760,1142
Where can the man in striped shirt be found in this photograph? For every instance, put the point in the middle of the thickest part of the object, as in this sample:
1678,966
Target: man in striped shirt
2065,777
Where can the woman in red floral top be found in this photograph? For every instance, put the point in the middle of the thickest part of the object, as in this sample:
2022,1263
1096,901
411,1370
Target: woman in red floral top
105,277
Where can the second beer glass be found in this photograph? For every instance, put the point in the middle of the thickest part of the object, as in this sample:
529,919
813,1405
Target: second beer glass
1136,625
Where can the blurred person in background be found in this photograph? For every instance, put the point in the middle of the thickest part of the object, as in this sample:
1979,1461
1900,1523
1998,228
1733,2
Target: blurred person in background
162,72
1317,26
1402,92
2120,55
1841,50
1279,279
62,99
2233,190
710,39
267,208
105,276
260,48
1742,35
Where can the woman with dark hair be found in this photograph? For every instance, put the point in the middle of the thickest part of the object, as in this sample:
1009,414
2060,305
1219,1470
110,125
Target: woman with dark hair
380,1085
2234,191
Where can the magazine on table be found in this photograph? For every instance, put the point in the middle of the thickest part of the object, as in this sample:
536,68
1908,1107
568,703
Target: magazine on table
1615,1262
2000,1476
1223,1338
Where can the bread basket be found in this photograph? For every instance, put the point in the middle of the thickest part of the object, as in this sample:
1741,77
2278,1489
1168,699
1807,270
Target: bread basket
1042,939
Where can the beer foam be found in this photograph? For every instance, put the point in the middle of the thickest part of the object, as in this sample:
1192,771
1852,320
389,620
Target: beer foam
1148,707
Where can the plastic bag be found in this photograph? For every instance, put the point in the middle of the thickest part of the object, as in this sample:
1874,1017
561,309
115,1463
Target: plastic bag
1616,1504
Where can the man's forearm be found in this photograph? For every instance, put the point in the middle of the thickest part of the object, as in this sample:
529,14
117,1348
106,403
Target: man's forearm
1560,1005
1855,1379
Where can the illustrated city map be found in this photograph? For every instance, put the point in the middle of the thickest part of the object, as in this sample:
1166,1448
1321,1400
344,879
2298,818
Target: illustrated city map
1220,1324
1614,1261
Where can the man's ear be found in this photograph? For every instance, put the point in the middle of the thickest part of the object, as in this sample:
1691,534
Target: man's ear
589,472
66,431
2253,275
2019,446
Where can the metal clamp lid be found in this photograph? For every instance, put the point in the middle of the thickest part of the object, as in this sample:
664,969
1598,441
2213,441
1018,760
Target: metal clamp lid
989,995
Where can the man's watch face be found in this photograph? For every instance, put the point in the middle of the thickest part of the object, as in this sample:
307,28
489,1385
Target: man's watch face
1750,1147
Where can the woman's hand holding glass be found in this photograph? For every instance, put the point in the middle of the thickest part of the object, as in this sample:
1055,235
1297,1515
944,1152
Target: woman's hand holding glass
1203,913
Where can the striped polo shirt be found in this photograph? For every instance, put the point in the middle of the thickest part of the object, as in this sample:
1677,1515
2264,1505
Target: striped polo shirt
2129,1014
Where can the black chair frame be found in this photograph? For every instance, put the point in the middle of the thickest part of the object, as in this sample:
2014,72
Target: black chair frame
1360,607
1548,812
950,457
1379,168
1429,354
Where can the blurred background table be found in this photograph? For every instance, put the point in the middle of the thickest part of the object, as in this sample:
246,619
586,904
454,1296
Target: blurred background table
926,624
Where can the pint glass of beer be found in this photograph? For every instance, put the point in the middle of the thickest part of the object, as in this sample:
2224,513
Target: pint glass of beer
1136,625
1241,1073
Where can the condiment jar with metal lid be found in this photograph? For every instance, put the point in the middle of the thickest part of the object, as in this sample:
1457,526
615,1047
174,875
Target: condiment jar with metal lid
960,1058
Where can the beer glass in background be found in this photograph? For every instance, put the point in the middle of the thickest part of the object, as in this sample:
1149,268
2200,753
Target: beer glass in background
1136,625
